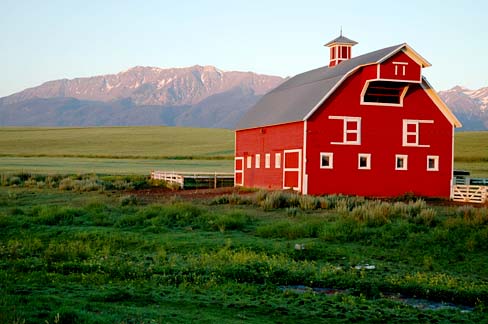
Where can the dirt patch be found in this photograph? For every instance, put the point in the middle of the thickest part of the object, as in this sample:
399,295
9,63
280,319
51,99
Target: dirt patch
155,194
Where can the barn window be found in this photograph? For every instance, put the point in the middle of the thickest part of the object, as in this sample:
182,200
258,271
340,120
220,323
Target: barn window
326,160
364,161
401,162
267,161
258,161
249,162
278,160
384,93
411,132
351,133
432,163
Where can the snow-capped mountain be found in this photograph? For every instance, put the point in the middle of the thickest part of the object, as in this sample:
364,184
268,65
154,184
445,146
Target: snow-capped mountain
193,96
469,106
152,86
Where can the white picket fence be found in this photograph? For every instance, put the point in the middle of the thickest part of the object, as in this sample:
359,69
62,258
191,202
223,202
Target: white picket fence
469,193
212,178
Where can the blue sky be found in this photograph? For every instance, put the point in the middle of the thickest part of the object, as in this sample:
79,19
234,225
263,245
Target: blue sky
51,39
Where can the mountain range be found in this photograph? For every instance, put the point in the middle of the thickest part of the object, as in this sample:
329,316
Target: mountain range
200,96
197,96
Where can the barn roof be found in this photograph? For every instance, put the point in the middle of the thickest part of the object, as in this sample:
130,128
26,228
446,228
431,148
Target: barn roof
341,40
297,98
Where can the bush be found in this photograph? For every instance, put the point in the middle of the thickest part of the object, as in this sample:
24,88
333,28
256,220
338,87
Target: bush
232,221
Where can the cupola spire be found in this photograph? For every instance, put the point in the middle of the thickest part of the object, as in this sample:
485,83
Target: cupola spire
340,49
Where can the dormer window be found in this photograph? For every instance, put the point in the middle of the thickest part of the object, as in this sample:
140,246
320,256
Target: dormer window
384,93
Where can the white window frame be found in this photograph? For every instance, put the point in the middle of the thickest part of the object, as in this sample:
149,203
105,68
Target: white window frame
330,155
368,161
436,162
277,160
239,171
257,161
416,133
367,103
346,131
267,160
249,162
405,162
403,65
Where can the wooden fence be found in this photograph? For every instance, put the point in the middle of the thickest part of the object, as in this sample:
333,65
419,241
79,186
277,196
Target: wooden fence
195,180
469,193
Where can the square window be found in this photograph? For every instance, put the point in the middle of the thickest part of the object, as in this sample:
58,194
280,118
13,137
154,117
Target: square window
258,161
401,162
364,161
278,160
249,162
351,130
432,163
326,160
267,161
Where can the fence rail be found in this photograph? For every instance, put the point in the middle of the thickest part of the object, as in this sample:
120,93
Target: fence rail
469,193
195,179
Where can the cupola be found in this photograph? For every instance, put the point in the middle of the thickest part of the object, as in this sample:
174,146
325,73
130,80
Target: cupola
340,49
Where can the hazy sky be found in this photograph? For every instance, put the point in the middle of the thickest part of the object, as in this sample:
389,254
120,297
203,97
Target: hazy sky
50,39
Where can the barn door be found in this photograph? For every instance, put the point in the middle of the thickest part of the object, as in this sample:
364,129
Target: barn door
239,171
292,171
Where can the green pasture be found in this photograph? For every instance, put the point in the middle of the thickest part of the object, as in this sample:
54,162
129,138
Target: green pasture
137,150
63,165
73,252
117,142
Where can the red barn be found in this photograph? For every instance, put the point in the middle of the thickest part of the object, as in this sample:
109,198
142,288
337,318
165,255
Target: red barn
370,125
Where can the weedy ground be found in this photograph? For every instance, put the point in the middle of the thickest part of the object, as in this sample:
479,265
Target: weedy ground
90,249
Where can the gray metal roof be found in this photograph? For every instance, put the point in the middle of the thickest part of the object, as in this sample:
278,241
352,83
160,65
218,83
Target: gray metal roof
298,97
341,40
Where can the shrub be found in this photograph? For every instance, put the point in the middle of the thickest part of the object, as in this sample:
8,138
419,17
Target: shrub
232,221
66,184
129,200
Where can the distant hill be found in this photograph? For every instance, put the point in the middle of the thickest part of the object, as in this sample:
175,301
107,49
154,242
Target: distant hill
469,106
201,96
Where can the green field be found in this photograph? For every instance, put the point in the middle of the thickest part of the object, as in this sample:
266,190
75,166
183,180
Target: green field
71,255
138,150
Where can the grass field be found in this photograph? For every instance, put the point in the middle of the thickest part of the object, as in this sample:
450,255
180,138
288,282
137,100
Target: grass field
112,256
137,150
117,142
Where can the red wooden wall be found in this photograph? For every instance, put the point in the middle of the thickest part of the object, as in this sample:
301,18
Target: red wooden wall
268,140
381,136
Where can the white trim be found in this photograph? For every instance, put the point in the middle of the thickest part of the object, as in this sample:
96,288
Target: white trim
401,80
435,158
346,131
405,162
277,160
367,103
249,162
267,161
368,161
304,160
416,133
299,169
238,171
257,161
403,65
416,57
434,96
330,155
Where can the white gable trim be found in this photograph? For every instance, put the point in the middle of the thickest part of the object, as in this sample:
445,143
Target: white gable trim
440,104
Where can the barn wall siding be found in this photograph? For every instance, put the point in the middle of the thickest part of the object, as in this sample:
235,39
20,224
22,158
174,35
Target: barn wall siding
381,136
267,140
